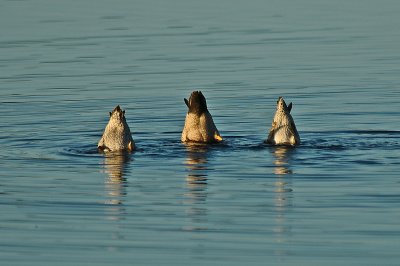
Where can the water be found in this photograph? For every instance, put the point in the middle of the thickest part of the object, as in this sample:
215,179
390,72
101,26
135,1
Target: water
335,200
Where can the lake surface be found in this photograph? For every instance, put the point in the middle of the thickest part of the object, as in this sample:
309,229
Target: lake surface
335,200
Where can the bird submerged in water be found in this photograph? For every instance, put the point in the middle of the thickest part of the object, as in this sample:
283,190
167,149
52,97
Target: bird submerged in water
199,124
283,130
117,136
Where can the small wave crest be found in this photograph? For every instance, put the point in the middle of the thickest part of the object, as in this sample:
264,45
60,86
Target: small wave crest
84,151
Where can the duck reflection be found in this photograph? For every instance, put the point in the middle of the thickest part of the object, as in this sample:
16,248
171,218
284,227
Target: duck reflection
281,162
283,195
196,185
115,182
282,155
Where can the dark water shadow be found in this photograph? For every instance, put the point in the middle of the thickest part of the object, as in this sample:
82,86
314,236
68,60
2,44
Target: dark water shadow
351,140
329,143
82,151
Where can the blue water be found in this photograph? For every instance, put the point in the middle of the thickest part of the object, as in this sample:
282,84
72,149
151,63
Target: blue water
335,200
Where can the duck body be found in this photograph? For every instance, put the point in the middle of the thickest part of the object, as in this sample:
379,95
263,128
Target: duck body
199,124
283,129
117,135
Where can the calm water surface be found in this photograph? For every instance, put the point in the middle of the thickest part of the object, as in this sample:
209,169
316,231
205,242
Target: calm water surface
335,200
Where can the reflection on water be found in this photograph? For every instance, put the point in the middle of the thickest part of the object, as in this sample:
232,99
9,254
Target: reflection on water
281,162
283,196
196,185
282,170
115,183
